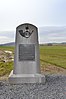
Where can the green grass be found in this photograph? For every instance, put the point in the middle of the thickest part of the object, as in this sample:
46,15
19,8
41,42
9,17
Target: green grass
5,68
10,48
55,55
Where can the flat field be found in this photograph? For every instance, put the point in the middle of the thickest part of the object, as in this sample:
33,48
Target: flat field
9,48
52,59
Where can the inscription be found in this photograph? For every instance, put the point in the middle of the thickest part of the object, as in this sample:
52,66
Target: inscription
26,52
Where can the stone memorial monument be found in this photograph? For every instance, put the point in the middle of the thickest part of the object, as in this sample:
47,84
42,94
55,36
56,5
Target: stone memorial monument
26,58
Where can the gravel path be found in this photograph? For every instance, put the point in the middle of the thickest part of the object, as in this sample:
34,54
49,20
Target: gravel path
54,88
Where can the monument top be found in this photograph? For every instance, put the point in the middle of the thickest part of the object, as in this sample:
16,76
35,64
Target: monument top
26,24
27,34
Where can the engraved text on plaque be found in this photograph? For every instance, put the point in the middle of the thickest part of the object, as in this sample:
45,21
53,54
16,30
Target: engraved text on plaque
26,52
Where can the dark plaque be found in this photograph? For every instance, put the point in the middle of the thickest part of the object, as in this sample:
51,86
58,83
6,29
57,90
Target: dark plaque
26,52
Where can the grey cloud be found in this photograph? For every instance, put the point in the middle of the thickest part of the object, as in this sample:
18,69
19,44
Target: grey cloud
52,29
52,34
10,34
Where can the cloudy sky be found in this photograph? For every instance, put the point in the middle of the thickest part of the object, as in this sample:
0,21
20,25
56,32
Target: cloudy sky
48,15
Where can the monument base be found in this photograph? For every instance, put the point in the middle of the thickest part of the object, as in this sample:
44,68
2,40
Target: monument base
26,78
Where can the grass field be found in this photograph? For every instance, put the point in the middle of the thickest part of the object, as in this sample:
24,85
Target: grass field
49,55
55,55
10,48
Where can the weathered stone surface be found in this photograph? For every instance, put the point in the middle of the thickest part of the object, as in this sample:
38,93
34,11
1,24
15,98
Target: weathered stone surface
26,58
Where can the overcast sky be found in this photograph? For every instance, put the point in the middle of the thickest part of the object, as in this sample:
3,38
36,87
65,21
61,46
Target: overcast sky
38,12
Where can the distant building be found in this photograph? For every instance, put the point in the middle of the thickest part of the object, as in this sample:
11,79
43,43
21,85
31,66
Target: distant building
49,44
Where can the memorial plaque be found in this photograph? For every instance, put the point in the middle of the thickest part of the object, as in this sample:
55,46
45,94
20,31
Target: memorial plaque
26,52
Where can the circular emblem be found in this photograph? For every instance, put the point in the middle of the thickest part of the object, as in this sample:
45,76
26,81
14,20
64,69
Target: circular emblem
25,34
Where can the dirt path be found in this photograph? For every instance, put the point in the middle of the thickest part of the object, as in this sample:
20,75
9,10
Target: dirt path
52,69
